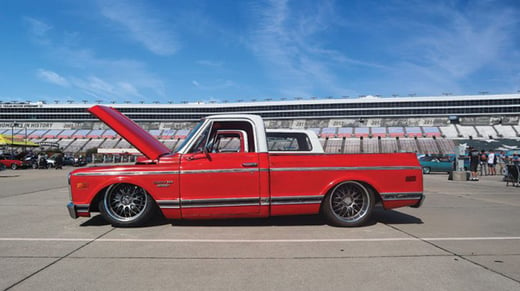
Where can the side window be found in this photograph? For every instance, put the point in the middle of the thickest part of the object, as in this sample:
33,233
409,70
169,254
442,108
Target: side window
230,141
282,141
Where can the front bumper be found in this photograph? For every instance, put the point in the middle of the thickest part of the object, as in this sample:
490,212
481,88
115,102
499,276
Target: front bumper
72,210
77,210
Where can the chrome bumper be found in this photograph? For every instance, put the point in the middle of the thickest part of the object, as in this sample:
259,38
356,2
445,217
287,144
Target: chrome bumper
72,210
419,203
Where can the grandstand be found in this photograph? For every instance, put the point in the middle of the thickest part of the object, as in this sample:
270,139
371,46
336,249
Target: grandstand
433,124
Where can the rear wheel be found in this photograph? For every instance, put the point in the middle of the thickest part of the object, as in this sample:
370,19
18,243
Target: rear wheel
426,170
348,204
126,205
14,166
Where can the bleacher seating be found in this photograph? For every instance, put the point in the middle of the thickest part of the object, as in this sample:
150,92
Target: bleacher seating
76,145
467,131
67,133
361,132
353,145
110,143
109,133
505,130
328,132
123,144
181,133
168,134
486,131
427,145
370,145
53,133
334,145
408,145
64,142
449,131
344,132
82,133
96,133
37,133
413,131
395,132
389,145
430,131
378,131
94,143
446,146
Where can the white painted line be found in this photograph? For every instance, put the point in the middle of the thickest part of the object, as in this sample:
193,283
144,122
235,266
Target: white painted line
35,239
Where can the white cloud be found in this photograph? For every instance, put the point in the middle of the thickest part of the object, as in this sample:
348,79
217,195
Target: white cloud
195,83
37,27
143,25
209,63
288,45
52,77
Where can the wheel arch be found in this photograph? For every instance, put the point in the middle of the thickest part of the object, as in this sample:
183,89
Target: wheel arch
365,182
101,190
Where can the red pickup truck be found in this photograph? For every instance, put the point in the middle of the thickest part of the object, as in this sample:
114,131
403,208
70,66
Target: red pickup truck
225,170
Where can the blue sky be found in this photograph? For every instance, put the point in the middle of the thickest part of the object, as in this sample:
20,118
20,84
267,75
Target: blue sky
174,51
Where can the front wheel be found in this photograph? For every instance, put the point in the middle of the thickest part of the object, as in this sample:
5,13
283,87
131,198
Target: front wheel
126,205
348,204
426,170
14,166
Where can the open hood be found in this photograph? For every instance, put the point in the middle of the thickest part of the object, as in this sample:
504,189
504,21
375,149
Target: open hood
129,130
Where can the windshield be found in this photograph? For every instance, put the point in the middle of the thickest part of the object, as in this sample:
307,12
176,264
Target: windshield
190,135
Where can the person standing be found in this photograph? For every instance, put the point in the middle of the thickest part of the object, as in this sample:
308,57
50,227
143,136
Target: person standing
474,159
59,161
491,162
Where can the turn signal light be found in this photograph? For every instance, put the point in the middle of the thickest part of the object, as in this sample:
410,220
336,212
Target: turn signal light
81,185
410,178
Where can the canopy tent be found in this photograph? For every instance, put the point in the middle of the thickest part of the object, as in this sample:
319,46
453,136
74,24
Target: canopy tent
7,140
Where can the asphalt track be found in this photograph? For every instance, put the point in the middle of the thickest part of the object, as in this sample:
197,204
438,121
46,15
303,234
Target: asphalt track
465,237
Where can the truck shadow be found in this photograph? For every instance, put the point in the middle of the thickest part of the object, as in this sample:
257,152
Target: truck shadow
379,216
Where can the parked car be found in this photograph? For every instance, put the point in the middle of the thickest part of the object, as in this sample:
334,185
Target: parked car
12,163
203,178
431,164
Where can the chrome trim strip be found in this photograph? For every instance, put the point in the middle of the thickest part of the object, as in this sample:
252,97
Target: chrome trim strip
127,173
241,170
169,204
304,169
392,196
286,200
219,205
237,170
224,202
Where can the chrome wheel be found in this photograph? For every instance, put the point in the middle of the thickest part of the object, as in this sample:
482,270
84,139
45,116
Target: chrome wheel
125,204
349,204
426,170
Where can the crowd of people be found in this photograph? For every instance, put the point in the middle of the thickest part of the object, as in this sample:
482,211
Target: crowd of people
490,163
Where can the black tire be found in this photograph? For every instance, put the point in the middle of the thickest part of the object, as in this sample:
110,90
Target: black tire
35,166
14,166
126,205
350,204
426,170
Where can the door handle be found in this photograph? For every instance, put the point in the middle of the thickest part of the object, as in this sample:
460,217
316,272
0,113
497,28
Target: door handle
249,164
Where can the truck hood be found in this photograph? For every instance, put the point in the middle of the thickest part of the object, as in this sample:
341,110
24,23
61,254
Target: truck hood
129,130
